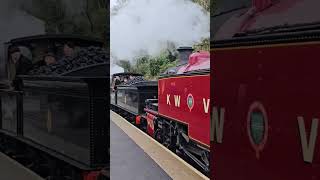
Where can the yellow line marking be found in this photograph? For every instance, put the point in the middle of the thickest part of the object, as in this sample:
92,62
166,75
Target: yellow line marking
172,164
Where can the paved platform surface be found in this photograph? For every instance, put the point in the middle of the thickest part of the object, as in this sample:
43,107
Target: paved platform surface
137,156
129,161
12,170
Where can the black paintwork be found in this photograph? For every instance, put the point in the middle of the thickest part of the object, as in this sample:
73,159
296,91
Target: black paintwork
53,42
57,37
79,129
132,98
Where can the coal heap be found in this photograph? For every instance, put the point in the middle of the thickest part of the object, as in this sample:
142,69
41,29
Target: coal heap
84,58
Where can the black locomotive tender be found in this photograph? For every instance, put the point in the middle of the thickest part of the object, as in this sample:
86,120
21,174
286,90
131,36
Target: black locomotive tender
128,98
57,124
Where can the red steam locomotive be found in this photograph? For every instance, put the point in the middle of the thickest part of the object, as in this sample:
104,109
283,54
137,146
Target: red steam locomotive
265,111
178,114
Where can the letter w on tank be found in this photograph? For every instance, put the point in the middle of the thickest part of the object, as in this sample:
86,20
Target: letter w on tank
177,100
217,124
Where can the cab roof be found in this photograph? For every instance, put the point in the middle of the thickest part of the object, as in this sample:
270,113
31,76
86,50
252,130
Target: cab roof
127,74
57,37
198,61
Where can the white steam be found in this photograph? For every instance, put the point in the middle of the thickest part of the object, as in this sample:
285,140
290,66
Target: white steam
116,69
148,25
113,3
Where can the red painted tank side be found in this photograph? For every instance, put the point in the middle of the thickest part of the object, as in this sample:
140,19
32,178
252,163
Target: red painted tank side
285,81
196,115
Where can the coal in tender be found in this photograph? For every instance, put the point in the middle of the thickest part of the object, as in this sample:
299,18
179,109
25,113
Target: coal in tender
85,57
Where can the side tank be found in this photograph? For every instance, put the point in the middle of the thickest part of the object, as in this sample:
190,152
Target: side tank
185,96
265,112
183,107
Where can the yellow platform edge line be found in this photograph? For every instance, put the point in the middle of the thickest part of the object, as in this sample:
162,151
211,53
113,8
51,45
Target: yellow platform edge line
132,131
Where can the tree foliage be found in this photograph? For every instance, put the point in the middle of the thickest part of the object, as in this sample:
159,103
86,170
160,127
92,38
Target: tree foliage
150,66
204,3
82,17
205,43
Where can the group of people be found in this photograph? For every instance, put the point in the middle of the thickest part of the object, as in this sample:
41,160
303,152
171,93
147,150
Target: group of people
119,80
23,64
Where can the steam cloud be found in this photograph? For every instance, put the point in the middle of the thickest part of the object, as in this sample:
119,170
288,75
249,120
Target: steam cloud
16,23
147,25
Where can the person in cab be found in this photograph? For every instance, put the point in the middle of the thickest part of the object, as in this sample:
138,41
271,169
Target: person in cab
69,49
48,59
21,63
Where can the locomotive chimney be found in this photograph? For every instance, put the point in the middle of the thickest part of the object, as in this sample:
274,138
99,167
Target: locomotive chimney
184,53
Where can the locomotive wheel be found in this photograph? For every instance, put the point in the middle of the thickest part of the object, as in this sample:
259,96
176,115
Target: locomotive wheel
169,135
157,136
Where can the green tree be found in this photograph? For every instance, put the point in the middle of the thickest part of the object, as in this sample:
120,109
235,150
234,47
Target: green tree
126,65
208,7
204,3
142,65
85,17
204,45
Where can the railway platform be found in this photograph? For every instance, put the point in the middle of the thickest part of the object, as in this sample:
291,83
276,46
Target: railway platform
136,156
12,170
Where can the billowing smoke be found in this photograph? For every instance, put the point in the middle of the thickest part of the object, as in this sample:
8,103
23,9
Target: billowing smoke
16,23
148,25
116,69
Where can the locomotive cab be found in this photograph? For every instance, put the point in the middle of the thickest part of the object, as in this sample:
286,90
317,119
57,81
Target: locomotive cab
56,113
35,48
